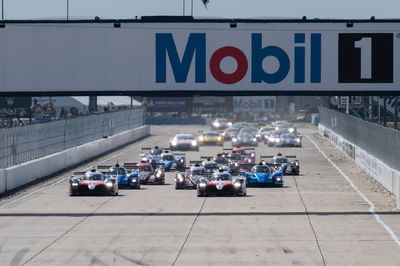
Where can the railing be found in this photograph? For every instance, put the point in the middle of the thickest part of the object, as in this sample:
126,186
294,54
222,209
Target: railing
381,142
29,142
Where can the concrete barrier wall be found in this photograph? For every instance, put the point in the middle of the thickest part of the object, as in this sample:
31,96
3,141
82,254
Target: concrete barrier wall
388,177
19,175
3,181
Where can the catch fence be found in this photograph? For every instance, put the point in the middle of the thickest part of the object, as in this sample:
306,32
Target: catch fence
24,143
381,142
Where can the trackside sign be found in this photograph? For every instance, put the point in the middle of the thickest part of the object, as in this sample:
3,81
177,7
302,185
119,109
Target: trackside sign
264,57
195,50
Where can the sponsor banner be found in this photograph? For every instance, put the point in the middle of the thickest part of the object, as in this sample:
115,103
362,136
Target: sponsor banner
168,104
250,103
206,56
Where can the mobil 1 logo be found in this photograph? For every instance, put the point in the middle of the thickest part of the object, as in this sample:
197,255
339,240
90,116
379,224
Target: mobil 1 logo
365,58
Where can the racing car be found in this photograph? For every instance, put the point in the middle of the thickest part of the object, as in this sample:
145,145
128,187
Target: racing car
220,123
281,161
210,138
146,173
230,133
184,142
92,183
191,177
154,151
248,154
288,140
170,161
222,183
262,174
124,177
245,139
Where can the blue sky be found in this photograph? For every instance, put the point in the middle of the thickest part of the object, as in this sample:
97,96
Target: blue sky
37,9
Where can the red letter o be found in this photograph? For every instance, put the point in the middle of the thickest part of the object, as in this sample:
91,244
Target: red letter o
215,65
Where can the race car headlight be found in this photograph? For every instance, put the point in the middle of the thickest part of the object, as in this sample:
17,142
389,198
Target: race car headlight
298,140
74,184
180,179
236,164
276,128
229,123
291,130
234,139
278,178
201,138
158,174
174,143
202,185
272,139
194,143
219,138
109,184
253,155
216,124
237,185
254,139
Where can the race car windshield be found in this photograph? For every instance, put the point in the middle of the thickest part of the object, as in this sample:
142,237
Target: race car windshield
232,130
118,171
288,136
146,168
221,160
261,169
185,138
235,156
211,135
221,177
197,172
248,130
94,177
210,165
168,157
279,160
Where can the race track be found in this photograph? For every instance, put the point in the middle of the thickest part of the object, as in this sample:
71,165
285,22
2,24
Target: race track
317,218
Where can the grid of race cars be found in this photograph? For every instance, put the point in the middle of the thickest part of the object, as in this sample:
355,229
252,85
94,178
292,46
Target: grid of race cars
229,172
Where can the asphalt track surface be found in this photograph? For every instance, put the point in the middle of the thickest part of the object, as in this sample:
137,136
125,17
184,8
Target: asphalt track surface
317,218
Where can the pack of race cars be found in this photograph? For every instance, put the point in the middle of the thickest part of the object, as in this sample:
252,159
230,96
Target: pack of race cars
228,172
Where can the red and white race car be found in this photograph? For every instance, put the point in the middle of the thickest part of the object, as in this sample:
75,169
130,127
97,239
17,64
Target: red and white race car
92,183
222,183
190,178
147,174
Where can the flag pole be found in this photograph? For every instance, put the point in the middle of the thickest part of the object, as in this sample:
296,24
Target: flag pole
183,4
2,9
67,9
192,9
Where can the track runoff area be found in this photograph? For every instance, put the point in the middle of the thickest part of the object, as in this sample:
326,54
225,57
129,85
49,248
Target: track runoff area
316,218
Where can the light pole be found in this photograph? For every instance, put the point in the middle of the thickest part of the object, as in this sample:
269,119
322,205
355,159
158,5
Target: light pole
67,9
183,4
2,9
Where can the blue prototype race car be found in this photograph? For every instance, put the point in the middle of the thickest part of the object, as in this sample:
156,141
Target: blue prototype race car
263,174
171,161
125,178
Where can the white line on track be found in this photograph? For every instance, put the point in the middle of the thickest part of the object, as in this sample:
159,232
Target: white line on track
371,205
64,178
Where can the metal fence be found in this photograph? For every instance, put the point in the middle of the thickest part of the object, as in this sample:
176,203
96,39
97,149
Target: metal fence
25,143
381,142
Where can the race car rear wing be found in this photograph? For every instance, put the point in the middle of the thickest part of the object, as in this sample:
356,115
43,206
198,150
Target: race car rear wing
131,166
79,173
195,162
149,149
206,157
272,156
247,149
104,166
180,154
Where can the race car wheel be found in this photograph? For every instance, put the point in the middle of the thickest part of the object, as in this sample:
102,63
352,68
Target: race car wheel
72,194
200,195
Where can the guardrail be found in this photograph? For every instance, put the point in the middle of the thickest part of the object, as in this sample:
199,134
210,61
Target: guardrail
176,121
380,142
25,173
25,143
372,147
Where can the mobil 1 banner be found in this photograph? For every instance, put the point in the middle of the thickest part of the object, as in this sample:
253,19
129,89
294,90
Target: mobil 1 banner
208,56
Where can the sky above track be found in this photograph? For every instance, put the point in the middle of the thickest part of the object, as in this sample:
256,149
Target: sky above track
87,9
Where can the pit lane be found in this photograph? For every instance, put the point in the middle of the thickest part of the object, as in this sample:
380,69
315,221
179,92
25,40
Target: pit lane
316,218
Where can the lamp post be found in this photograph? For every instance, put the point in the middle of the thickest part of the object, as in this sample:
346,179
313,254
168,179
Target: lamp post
67,9
2,9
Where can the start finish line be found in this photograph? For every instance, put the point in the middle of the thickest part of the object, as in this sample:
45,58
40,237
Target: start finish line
200,56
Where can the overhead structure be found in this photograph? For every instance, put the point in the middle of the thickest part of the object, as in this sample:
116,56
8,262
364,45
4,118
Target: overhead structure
182,56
